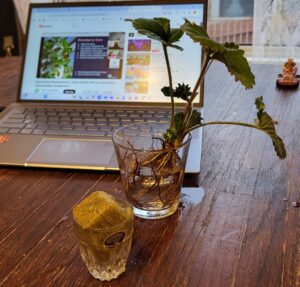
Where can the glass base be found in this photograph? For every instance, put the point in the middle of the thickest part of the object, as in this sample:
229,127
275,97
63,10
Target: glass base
155,214
107,274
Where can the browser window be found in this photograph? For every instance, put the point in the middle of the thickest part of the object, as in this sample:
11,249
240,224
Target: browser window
93,54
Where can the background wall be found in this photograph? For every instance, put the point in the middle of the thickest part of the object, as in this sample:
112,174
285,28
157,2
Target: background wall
276,30
8,26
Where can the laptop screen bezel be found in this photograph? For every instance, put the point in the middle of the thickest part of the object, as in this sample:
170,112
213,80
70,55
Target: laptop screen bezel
198,104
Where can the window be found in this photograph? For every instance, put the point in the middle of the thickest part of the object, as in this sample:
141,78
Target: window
231,20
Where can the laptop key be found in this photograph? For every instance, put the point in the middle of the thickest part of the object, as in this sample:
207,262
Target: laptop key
55,127
19,111
65,122
14,131
14,121
100,124
138,118
52,122
8,125
29,117
31,126
40,122
89,118
29,121
105,128
66,127
114,119
101,119
62,119
26,131
88,124
75,114
3,130
86,114
77,124
63,114
17,116
52,117
42,126
38,132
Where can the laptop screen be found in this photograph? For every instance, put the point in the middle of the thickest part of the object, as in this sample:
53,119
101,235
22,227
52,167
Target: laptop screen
90,53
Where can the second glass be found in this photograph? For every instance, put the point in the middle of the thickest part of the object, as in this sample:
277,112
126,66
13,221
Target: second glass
151,175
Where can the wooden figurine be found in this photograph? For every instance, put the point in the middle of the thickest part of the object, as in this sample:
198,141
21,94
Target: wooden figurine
289,77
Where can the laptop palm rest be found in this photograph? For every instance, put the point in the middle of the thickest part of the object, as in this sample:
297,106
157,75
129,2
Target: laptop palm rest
72,152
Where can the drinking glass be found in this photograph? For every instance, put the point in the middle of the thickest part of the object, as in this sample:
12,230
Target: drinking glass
104,232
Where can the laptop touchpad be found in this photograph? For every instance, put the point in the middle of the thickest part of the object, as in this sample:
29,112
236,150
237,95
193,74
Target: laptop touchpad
72,151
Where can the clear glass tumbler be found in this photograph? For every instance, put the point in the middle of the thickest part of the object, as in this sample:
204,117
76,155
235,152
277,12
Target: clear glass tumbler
151,174
103,229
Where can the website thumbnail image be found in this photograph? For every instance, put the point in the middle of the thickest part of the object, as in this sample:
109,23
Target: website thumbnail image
82,57
97,58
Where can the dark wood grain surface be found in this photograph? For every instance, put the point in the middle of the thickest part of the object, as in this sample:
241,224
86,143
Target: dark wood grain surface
244,231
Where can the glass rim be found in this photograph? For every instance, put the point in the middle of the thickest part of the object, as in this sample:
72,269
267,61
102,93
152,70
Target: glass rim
105,229
112,228
149,150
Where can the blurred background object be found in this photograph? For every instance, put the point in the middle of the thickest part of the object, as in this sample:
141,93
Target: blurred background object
8,45
269,30
9,30
276,30
231,20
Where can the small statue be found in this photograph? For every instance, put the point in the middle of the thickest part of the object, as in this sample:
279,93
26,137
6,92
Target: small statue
289,71
8,45
289,77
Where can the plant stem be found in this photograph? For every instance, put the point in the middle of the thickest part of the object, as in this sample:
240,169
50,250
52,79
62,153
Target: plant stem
170,84
226,123
200,79
188,107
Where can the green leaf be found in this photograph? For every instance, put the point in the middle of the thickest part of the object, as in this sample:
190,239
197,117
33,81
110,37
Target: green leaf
178,123
165,23
158,29
237,65
194,120
265,123
166,91
182,91
170,135
260,106
229,54
198,34
175,35
149,28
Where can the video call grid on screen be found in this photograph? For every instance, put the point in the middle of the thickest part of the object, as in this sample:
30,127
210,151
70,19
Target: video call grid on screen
93,54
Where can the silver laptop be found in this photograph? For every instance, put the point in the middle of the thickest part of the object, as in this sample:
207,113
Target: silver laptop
86,72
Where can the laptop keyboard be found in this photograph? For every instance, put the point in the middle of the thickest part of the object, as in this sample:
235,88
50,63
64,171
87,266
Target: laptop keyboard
86,122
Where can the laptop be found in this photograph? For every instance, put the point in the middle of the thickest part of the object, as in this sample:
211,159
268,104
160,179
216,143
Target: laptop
86,72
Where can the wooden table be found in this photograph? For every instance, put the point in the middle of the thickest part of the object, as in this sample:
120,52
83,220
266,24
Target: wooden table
244,232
